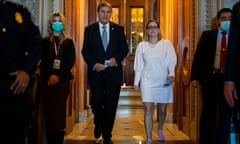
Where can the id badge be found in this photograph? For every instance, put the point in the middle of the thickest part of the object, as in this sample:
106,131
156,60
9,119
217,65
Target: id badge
56,63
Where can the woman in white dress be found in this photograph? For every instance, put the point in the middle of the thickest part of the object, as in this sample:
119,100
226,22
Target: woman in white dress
154,67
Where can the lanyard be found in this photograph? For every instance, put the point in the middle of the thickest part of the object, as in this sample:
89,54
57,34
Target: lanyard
57,49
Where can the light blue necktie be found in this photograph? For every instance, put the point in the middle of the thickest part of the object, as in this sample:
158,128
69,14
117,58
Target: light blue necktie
104,38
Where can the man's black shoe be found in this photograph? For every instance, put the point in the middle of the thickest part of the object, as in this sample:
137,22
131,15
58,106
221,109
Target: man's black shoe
97,131
108,142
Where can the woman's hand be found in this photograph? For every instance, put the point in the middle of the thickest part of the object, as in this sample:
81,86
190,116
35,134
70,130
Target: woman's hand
169,81
136,87
171,78
53,79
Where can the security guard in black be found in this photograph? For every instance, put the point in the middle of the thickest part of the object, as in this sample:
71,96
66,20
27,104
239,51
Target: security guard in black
20,47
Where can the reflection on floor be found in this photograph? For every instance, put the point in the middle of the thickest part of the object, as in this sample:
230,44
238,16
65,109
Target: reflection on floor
128,127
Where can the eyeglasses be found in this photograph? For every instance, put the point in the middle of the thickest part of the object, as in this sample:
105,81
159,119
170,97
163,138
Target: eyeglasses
225,18
57,20
152,27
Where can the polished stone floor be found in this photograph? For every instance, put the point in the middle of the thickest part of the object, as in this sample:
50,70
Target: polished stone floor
128,127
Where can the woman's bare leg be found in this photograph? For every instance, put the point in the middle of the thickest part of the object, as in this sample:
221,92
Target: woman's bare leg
148,119
161,107
162,116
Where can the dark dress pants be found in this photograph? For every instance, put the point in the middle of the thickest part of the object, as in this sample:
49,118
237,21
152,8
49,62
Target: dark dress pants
212,94
225,114
13,110
105,95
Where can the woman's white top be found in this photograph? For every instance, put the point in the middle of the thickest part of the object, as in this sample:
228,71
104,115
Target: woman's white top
152,65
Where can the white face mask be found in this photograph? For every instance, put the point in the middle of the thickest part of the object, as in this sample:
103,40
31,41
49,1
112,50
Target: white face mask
225,25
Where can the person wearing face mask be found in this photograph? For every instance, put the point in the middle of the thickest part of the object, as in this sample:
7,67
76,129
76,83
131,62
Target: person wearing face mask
20,44
57,60
207,71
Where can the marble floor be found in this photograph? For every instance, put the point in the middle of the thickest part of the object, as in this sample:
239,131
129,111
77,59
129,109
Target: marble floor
128,127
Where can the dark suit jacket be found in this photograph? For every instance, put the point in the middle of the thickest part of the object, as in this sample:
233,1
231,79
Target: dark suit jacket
93,51
20,40
203,62
232,63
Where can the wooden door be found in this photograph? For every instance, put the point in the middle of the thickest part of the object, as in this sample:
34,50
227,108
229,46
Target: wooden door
184,86
135,19
183,98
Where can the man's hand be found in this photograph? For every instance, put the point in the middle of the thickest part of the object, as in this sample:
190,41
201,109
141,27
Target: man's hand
195,83
99,67
112,62
21,82
230,93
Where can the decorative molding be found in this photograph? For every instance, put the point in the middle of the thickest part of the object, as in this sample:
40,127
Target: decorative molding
229,3
193,21
200,15
50,7
58,6
209,14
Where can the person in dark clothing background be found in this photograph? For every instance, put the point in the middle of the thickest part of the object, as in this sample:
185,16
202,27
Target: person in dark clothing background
232,69
207,70
104,56
20,45
57,60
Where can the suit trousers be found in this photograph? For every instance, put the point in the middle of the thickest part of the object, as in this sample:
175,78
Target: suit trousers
105,95
215,116
14,112
225,114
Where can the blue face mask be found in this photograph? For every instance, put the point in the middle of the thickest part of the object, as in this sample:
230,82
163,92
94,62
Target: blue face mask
225,25
57,26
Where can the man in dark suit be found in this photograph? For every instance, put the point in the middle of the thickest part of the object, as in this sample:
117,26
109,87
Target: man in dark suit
104,69
232,67
20,45
207,71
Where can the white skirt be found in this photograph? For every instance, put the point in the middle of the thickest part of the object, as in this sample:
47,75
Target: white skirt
157,94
